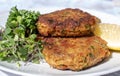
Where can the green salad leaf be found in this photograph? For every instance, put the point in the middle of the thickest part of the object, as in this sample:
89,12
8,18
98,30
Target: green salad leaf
19,37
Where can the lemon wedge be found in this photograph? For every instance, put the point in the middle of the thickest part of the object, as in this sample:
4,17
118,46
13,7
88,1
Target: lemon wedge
110,33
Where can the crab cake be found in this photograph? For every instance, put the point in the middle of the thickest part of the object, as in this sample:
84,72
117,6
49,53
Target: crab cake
74,53
67,22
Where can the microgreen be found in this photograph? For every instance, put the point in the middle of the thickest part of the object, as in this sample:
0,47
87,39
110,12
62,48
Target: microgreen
19,37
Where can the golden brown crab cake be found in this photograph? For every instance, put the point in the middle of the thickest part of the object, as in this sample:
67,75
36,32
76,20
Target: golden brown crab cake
67,22
74,53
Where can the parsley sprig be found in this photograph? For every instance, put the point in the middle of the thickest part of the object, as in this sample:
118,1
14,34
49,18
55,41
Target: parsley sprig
19,37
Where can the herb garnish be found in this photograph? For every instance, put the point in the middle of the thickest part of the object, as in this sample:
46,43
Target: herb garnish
19,37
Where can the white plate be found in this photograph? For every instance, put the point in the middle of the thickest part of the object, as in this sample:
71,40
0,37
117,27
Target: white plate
44,69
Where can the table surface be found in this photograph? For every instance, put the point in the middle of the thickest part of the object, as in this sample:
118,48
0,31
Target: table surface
107,6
